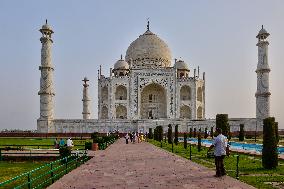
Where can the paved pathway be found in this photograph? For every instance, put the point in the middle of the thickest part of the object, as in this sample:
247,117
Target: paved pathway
143,166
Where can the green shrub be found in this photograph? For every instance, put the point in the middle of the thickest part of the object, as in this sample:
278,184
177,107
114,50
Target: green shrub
222,122
150,135
160,133
155,134
206,133
269,150
88,145
190,133
276,132
64,151
194,132
242,133
185,140
170,133
176,135
199,142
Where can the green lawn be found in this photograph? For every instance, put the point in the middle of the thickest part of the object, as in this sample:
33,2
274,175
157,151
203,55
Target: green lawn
36,141
12,169
250,167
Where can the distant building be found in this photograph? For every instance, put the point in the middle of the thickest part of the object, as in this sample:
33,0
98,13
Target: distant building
143,90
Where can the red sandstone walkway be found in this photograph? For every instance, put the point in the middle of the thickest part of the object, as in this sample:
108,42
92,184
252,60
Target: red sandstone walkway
143,166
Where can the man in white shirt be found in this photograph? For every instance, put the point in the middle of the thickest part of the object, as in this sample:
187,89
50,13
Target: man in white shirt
220,144
69,143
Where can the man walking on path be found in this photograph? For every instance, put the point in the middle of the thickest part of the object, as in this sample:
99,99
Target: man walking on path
220,144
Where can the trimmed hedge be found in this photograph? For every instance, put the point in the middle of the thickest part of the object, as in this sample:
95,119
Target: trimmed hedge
176,135
212,132
276,132
269,150
170,134
194,132
242,133
185,140
150,135
206,133
199,142
190,133
159,130
222,121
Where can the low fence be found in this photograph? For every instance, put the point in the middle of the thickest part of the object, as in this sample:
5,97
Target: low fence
32,155
46,174
45,135
34,146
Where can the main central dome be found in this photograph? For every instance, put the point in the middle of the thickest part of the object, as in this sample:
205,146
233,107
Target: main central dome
148,50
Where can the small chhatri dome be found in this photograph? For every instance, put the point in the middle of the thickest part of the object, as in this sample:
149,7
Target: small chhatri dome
46,27
181,65
121,64
150,48
262,33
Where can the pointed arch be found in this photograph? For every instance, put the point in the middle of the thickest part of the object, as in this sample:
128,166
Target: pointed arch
185,112
199,112
153,102
185,93
104,94
199,94
121,112
104,113
121,93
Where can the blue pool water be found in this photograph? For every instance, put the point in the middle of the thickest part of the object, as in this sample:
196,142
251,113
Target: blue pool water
237,145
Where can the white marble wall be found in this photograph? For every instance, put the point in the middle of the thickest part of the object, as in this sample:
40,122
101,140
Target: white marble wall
104,126
86,102
46,91
262,94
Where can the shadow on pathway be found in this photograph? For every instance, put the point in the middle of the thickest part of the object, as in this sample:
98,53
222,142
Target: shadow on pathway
143,166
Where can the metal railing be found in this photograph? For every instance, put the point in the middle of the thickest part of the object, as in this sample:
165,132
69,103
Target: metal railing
34,146
47,174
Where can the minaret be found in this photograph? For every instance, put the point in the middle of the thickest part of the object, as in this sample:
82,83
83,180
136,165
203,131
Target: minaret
262,93
46,91
86,111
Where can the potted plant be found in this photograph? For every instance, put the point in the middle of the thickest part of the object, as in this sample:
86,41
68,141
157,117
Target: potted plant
95,144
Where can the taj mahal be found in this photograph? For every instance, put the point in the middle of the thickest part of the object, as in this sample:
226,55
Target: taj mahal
144,89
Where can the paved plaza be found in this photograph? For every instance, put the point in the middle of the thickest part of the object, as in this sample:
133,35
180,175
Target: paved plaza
143,166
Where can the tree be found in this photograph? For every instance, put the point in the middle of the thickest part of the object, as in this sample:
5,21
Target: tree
242,133
212,132
176,135
276,132
185,140
199,142
205,133
269,150
159,133
155,134
222,122
194,132
150,135
170,133
190,133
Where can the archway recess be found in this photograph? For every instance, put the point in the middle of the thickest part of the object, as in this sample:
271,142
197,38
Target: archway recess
121,112
153,102
121,93
185,112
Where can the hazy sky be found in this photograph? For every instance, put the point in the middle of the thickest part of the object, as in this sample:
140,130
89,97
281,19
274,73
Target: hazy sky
218,36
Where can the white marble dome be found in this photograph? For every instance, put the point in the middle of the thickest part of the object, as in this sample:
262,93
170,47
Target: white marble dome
262,32
121,64
46,27
150,48
181,65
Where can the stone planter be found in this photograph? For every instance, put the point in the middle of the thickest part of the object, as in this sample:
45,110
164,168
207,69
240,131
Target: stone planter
95,146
